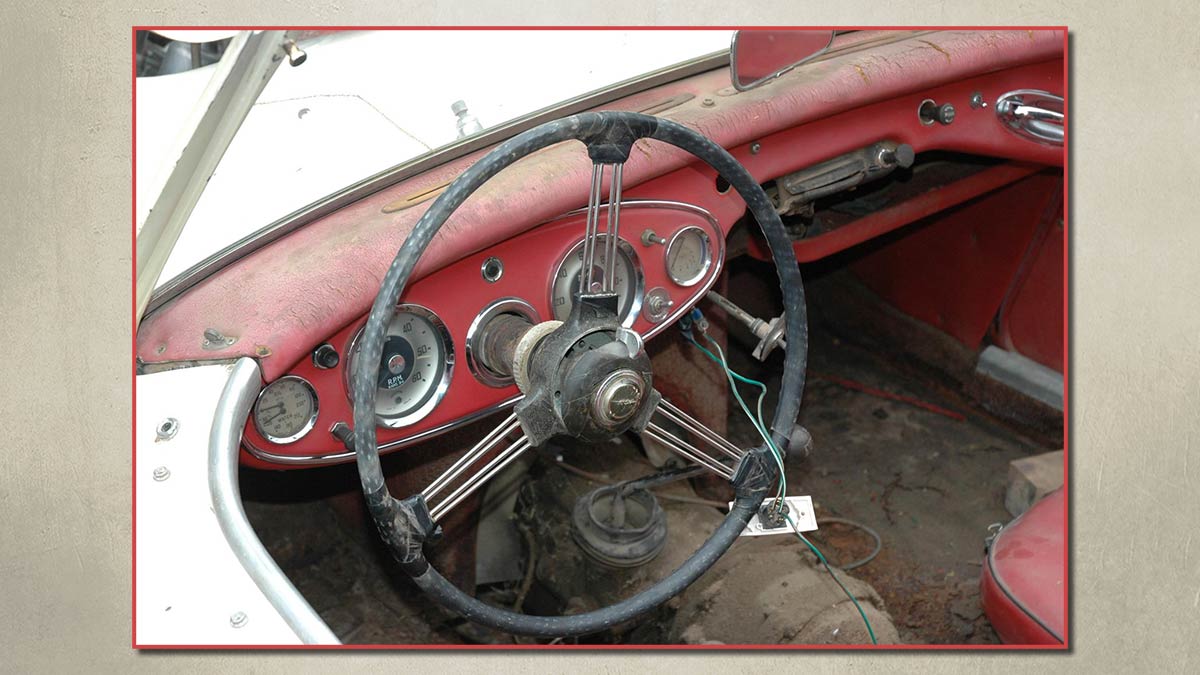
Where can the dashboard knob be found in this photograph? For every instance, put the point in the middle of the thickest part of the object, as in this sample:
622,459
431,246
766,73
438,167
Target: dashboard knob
325,357
931,112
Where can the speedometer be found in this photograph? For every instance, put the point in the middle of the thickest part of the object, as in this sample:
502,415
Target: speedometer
628,280
414,369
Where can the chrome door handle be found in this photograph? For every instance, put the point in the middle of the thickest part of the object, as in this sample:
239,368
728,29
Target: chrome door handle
1033,114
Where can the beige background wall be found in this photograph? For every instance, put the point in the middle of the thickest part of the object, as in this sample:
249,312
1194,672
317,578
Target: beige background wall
65,289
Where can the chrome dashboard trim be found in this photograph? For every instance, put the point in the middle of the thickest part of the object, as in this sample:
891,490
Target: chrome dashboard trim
422,163
336,457
493,309
237,399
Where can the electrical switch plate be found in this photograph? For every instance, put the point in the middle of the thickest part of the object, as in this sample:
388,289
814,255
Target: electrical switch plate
800,508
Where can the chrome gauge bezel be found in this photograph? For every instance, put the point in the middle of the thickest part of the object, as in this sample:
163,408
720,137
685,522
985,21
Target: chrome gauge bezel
438,391
471,346
639,277
706,264
308,425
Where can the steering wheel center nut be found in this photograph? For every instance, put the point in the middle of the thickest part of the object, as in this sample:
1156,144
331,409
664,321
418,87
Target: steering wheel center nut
617,398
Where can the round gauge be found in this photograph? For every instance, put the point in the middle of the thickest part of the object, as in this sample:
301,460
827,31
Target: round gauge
688,256
286,410
628,280
414,369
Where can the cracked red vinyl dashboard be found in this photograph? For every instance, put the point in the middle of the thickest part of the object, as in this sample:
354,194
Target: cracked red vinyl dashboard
297,304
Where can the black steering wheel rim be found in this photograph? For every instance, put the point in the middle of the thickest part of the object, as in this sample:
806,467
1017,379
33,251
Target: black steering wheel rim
405,524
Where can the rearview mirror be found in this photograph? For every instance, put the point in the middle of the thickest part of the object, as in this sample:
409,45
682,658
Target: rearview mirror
758,56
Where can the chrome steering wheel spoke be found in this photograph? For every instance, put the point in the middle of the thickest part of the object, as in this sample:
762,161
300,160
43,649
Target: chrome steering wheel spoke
717,462
591,237
496,438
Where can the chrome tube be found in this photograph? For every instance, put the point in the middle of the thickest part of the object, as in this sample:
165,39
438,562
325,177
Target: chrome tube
678,416
509,425
687,450
614,224
224,440
593,225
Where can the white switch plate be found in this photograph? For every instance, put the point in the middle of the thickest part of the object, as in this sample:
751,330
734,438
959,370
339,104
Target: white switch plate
800,508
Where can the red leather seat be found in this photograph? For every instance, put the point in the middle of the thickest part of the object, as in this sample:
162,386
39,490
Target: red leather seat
1024,576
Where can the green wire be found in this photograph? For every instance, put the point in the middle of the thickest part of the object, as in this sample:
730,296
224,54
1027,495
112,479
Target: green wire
759,424
829,569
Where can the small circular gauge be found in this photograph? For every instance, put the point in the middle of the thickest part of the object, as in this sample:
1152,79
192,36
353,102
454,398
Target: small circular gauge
286,410
628,280
688,256
414,369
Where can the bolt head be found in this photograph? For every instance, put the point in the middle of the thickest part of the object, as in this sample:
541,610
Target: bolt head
945,113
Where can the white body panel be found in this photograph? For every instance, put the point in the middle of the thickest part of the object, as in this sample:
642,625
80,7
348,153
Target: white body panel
189,582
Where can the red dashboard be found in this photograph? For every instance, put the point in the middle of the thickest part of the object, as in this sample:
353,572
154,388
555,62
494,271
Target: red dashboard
315,285
518,275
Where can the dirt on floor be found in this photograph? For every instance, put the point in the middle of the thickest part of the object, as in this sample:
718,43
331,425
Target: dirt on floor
930,482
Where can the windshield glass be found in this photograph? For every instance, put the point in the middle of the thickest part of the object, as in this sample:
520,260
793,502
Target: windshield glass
365,101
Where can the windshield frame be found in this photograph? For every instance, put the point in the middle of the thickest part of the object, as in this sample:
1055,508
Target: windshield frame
430,160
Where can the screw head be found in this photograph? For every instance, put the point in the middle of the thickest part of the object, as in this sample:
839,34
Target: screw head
755,148
708,103
161,473
977,100
238,619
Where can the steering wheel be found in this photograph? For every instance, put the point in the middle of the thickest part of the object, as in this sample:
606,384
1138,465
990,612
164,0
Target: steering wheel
586,377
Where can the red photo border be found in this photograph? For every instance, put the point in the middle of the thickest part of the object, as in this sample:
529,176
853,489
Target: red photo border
1065,646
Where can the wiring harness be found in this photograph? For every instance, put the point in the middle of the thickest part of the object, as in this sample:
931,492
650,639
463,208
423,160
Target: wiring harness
695,320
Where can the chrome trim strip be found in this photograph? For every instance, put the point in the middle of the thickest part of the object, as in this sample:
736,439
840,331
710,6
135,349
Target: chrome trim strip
237,398
336,457
422,163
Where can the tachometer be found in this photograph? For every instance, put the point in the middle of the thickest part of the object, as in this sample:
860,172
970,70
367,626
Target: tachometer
628,281
415,368
286,410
